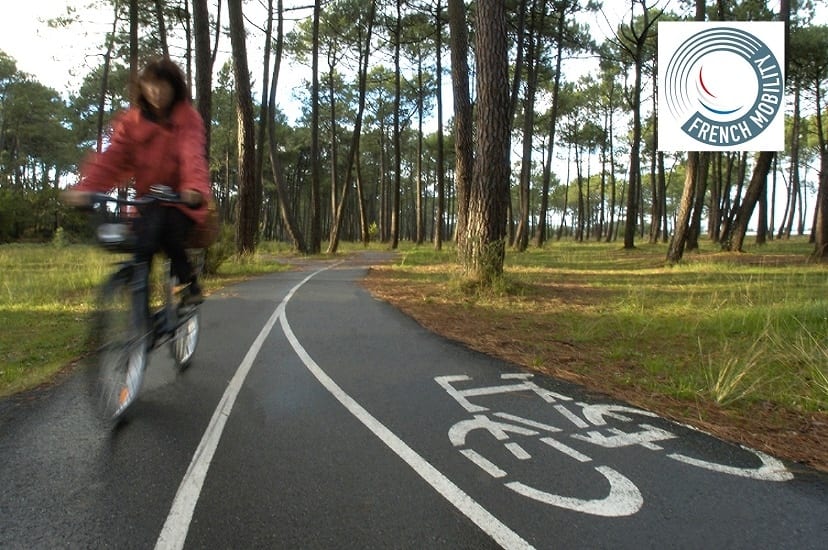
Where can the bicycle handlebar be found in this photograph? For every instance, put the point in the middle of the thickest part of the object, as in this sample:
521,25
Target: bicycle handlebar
157,193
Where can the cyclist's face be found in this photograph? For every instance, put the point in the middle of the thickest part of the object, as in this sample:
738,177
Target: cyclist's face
159,94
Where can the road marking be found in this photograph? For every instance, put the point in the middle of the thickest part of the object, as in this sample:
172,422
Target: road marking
481,517
566,449
624,498
174,532
527,422
771,469
175,529
484,463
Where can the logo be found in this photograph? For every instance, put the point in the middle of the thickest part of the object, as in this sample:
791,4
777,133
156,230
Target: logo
721,86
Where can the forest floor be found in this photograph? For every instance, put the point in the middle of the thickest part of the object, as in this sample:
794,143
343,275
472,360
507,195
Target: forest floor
797,436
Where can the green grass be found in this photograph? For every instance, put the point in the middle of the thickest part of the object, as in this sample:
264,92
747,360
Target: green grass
730,329
47,294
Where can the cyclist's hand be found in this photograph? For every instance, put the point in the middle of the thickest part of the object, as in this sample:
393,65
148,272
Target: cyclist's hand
76,198
191,198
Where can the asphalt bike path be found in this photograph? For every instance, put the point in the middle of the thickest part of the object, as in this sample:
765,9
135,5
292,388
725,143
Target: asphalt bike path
314,416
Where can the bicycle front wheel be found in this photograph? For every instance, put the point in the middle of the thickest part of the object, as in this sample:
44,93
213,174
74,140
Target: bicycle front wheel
122,347
185,340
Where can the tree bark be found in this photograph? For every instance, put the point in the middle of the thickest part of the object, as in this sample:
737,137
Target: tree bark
315,238
204,66
162,28
441,170
285,213
540,230
353,154
463,125
248,206
395,200
735,238
485,242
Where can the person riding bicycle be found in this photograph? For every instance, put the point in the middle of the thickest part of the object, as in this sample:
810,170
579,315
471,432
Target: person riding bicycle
160,139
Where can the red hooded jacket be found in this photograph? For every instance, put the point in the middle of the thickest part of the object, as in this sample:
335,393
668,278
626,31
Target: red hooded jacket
169,153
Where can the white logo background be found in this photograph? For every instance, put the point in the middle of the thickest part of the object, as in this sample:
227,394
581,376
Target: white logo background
723,85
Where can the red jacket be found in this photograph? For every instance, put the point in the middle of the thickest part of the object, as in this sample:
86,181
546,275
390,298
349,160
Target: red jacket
169,153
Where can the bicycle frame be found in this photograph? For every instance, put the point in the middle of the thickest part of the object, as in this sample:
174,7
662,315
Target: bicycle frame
124,355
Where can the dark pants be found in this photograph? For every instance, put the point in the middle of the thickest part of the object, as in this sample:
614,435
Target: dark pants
164,229
160,229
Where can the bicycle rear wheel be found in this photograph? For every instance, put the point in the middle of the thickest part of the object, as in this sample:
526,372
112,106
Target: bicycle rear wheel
122,347
185,340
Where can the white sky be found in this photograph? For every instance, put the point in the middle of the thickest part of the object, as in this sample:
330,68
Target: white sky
57,57
47,54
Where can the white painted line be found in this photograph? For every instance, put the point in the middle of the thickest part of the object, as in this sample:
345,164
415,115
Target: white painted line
624,498
483,463
487,522
566,449
527,422
771,469
174,532
519,452
571,416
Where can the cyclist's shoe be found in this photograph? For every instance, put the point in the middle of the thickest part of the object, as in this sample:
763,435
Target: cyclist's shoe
191,295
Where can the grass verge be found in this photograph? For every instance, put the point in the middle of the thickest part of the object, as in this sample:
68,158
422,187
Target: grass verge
47,294
732,343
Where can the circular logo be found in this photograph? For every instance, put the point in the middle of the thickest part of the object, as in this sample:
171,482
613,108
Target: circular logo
724,86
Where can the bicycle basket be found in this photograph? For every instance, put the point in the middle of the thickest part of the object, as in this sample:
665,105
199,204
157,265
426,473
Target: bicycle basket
116,236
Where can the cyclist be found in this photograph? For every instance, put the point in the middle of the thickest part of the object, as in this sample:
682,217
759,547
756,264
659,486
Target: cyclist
160,139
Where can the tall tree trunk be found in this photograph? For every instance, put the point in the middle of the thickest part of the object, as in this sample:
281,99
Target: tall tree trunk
133,40
786,224
395,205
821,222
463,125
162,27
204,66
441,168
533,53
656,191
485,242
353,153
315,242
634,179
418,201
334,142
682,229
248,205
694,230
110,46
264,107
288,219
679,241
735,238
540,230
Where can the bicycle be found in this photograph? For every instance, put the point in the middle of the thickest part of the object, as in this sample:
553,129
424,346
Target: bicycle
123,329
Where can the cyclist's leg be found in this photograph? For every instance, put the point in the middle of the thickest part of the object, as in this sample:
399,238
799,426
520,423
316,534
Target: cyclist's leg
149,230
177,226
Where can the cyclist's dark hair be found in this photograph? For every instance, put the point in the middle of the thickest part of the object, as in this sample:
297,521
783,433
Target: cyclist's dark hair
161,68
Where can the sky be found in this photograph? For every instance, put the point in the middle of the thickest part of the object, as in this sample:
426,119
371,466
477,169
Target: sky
47,54
56,57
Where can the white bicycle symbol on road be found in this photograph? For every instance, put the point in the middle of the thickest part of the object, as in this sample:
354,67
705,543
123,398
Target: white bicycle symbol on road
587,423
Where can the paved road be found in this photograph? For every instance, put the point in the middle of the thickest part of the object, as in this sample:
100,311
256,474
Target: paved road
317,417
